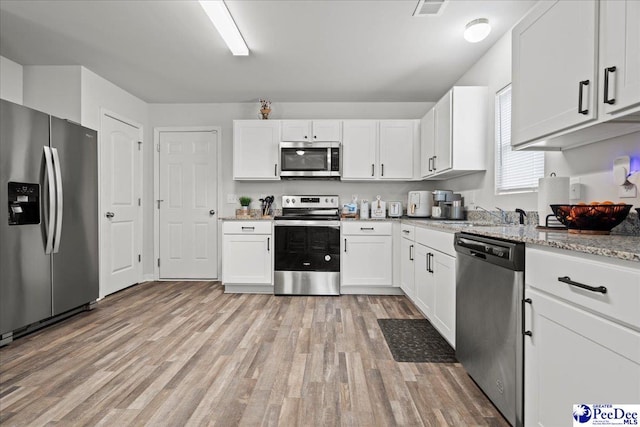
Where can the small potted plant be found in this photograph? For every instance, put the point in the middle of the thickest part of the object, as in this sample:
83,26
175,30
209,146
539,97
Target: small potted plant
245,202
265,108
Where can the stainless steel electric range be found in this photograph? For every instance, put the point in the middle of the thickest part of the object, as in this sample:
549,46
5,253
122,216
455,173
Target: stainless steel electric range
307,246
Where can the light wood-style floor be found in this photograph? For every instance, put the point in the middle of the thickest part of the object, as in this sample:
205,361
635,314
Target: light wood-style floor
185,353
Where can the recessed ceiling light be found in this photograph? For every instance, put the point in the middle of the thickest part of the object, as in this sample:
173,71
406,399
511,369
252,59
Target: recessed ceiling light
222,20
477,30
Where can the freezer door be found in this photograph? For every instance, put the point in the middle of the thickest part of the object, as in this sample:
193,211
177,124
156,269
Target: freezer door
75,264
25,269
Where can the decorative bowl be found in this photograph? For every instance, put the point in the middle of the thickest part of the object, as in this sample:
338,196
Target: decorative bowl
591,219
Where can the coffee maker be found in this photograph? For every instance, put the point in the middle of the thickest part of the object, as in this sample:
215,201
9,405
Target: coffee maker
440,208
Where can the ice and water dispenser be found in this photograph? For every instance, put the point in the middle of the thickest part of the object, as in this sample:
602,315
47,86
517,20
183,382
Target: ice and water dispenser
24,203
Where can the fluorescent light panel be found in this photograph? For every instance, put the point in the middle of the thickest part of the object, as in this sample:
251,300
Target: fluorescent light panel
222,20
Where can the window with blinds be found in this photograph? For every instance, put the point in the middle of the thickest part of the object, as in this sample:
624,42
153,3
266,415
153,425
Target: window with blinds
516,171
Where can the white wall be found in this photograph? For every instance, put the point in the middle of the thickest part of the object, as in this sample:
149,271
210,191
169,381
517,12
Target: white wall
166,115
592,163
11,80
53,89
98,93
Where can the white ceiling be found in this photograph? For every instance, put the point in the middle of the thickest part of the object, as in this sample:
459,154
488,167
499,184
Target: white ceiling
300,50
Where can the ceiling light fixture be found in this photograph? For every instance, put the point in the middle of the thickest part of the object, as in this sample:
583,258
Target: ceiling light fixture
477,30
223,21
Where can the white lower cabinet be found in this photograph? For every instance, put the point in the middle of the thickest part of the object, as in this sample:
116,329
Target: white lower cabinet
584,345
247,256
367,256
407,260
433,288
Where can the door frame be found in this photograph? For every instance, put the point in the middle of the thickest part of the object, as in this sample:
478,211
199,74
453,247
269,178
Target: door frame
156,189
126,120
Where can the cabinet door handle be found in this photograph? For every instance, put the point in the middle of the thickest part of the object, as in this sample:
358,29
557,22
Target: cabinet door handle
580,86
568,281
608,100
275,169
410,252
373,169
268,244
382,169
524,331
434,163
430,164
345,246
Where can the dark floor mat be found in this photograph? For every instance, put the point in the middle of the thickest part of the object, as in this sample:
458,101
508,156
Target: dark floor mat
416,340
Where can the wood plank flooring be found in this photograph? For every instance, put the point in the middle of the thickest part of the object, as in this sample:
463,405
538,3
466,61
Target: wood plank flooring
186,354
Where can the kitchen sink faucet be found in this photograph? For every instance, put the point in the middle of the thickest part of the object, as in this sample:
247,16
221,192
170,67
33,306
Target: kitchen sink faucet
502,217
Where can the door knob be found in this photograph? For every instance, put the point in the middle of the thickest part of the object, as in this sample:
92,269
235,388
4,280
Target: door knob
212,212
110,214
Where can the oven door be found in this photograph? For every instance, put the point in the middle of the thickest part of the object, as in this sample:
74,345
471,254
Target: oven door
307,246
303,159
307,258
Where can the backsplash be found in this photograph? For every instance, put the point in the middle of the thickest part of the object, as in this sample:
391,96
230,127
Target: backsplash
629,227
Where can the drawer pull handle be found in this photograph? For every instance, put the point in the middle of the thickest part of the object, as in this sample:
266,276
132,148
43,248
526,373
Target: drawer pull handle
567,280
406,231
366,228
248,228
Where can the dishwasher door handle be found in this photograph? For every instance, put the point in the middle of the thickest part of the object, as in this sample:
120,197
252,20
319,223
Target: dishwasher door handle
477,255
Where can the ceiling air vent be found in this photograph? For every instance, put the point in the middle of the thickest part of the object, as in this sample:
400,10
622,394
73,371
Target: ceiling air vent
429,7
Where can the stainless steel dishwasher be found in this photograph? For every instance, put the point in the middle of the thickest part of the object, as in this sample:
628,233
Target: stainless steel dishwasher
489,340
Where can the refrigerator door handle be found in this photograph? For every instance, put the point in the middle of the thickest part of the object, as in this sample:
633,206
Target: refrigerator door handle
59,205
51,184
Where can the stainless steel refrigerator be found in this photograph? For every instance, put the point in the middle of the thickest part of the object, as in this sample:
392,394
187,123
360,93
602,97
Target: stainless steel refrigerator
49,222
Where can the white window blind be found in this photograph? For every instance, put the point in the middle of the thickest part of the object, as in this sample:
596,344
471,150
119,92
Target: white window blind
516,171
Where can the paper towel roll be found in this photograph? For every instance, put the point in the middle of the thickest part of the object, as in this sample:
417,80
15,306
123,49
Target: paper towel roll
551,190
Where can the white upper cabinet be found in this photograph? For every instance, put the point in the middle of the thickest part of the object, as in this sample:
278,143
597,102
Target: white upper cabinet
427,143
359,149
379,149
453,134
560,63
554,69
397,143
255,149
620,54
311,130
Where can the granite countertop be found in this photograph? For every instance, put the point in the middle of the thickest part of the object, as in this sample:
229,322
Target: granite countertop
613,246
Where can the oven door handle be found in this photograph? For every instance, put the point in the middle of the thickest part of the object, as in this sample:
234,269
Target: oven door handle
305,223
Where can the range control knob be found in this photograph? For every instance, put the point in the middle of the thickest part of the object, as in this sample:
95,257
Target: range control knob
327,258
287,201
293,200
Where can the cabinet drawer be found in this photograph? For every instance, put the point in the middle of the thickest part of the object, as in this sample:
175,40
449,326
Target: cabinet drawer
439,240
622,298
366,228
246,227
408,231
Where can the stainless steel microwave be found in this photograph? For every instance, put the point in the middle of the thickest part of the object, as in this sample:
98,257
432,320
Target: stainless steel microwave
310,159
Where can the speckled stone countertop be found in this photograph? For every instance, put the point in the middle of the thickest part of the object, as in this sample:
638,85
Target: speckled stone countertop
613,246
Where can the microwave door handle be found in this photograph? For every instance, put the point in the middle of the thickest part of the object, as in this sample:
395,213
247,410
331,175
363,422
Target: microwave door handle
50,222
59,203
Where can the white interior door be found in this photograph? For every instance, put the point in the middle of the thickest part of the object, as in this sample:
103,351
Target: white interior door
120,192
188,199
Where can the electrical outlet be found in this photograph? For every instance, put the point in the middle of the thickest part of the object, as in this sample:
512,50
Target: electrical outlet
627,191
232,198
575,191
